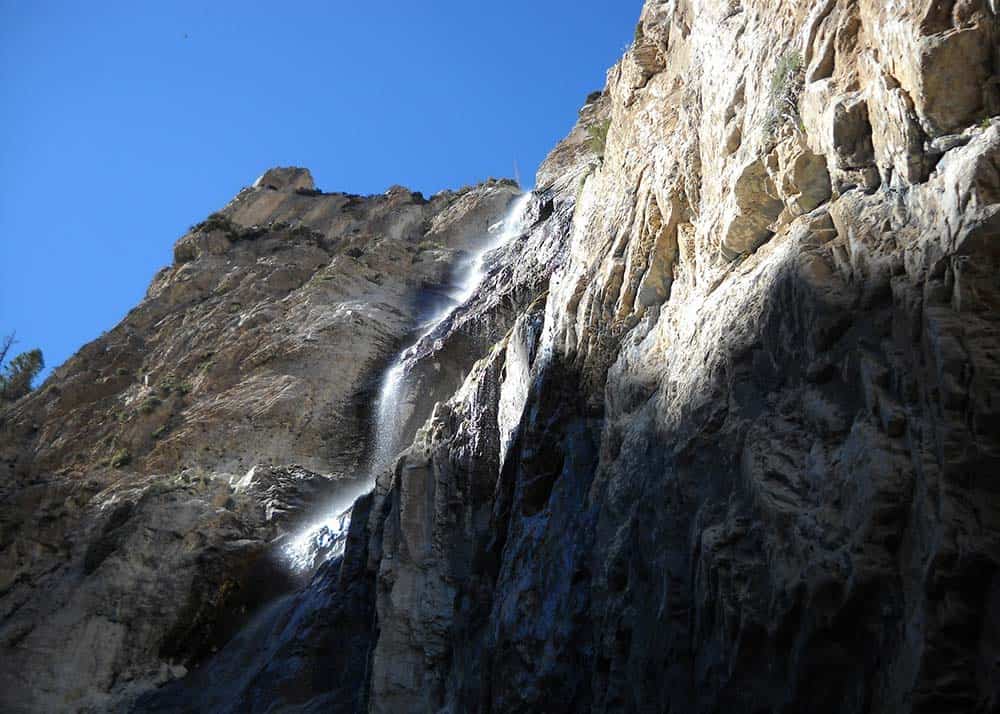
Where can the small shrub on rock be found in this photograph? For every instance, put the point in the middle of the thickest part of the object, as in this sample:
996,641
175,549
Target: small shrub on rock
218,222
598,137
149,404
120,458
787,81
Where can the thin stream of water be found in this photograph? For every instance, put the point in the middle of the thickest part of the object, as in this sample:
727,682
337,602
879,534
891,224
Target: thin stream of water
325,537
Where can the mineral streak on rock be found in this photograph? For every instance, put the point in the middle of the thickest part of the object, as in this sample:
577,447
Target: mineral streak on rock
719,433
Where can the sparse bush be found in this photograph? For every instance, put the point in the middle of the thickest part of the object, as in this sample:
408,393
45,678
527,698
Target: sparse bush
787,81
120,458
218,222
160,431
150,403
598,137
20,372
170,384
122,372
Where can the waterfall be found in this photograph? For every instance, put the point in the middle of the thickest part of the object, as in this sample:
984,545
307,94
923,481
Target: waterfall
326,537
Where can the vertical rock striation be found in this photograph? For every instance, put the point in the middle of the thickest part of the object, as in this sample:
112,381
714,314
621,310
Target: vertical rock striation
743,457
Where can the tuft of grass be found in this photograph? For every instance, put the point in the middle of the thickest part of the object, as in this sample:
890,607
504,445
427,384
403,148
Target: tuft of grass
787,81
597,139
788,69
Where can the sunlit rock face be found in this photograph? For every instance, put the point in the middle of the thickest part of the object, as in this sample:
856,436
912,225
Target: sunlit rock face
755,431
717,432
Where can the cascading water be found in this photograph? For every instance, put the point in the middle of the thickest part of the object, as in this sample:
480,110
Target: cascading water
326,537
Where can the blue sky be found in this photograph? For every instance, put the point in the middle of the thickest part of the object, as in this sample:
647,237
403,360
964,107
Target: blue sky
126,122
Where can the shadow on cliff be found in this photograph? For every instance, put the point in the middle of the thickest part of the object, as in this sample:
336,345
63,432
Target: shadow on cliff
804,531
786,539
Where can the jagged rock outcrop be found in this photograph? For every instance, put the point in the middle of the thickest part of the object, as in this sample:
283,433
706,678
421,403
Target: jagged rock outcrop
719,432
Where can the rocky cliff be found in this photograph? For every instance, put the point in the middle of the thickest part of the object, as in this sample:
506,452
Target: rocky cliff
719,432
149,483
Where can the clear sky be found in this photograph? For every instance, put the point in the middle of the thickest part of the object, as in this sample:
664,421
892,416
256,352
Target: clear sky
124,122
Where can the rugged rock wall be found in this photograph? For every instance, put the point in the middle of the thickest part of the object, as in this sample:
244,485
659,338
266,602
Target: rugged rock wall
753,432
720,432
147,486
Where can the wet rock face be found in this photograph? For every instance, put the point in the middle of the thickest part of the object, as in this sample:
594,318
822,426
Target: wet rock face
304,651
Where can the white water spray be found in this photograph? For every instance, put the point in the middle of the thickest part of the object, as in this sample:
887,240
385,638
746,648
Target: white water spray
326,537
